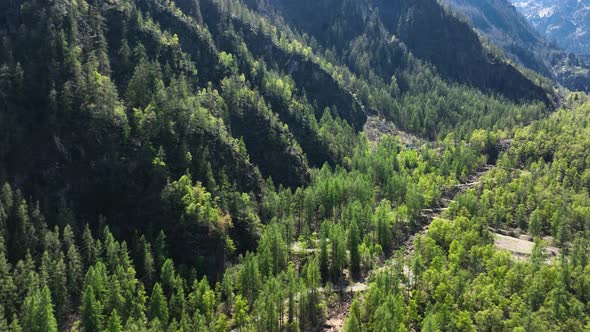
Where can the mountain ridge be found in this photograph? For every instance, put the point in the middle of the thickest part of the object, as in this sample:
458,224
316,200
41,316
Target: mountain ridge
179,148
501,23
567,23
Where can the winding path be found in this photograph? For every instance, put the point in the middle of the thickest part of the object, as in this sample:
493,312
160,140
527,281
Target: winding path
339,311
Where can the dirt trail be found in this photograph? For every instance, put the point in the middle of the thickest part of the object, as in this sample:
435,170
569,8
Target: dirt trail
521,247
338,313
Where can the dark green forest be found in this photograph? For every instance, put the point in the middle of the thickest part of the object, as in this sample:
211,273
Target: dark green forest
208,165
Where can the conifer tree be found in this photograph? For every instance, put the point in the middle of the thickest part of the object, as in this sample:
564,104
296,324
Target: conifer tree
168,278
3,321
222,324
353,246
15,325
158,307
91,317
22,238
37,312
74,270
8,288
249,280
90,251
114,323
240,315
324,260
58,285
160,250
354,320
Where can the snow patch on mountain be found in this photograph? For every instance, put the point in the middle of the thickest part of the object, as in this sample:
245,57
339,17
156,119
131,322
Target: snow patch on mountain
566,22
546,12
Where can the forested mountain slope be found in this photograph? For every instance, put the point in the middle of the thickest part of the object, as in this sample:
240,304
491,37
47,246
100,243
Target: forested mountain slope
364,34
455,279
158,158
104,103
504,26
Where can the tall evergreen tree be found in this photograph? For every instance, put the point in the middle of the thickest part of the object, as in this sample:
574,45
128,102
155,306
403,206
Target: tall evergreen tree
158,307
37,312
91,317
114,323
354,240
240,312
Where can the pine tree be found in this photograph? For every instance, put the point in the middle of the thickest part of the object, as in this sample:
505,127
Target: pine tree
39,226
22,239
292,289
114,323
177,303
324,262
116,300
383,220
147,267
227,290
160,250
3,322
74,270
98,279
138,304
69,239
354,321
240,317
158,307
91,311
8,288
338,247
353,245
168,277
249,280
110,250
15,325
37,312
58,285
313,282
89,247
272,251
222,323
208,305
45,268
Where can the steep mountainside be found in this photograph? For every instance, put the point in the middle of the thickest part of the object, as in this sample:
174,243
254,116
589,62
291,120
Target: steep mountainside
422,26
159,147
503,25
567,22
456,278
105,103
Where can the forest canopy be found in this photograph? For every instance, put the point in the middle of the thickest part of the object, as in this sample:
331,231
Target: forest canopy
222,165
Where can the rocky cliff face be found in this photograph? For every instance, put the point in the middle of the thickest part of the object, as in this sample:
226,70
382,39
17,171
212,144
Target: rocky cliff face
567,22
508,29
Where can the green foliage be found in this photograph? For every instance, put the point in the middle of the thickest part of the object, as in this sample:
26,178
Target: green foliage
91,311
463,282
114,323
353,246
272,251
158,306
141,132
37,312
240,316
